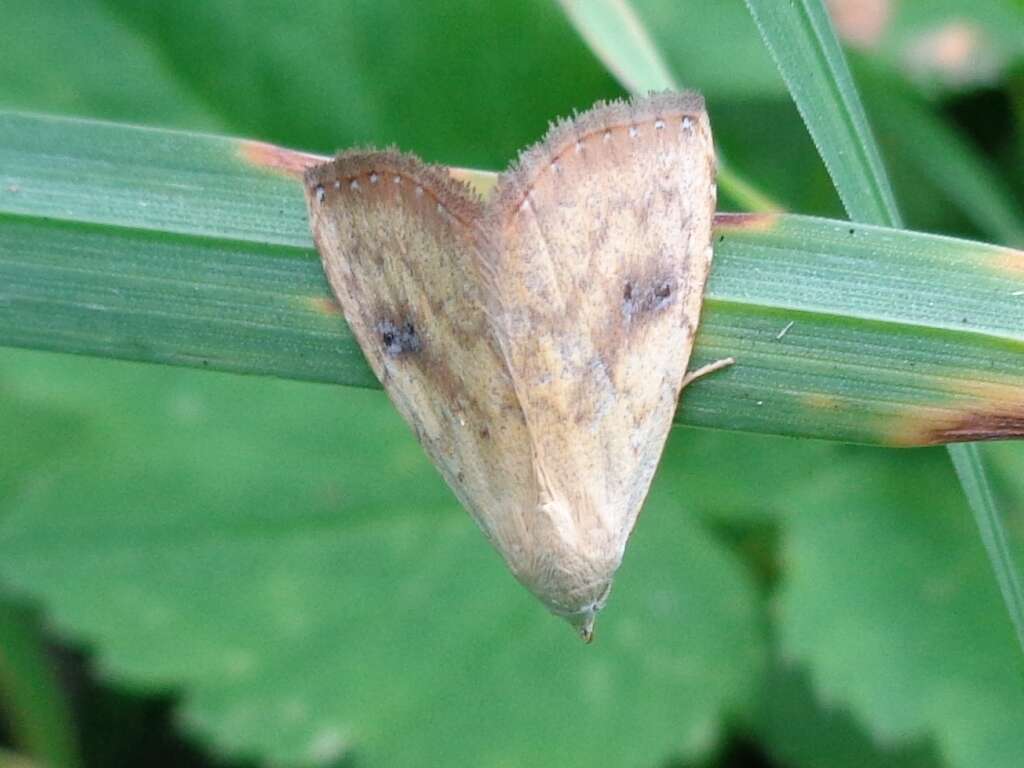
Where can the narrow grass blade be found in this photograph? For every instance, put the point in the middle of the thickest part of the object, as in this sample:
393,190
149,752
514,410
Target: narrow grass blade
617,36
194,250
799,36
803,43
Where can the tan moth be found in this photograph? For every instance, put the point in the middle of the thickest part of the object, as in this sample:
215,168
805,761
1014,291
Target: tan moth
537,342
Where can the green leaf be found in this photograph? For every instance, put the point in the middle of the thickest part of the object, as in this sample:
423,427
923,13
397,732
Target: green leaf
798,729
186,249
890,601
31,700
311,588
32,703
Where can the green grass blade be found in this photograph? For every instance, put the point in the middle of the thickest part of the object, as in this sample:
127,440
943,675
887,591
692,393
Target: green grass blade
803,43
800,38
616,35
194,250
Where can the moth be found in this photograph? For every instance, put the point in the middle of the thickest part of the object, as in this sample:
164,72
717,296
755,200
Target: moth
536,342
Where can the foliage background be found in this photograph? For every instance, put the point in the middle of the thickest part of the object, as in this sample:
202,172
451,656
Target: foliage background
281,559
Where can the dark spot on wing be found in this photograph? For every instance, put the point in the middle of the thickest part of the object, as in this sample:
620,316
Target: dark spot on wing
399,338
644,298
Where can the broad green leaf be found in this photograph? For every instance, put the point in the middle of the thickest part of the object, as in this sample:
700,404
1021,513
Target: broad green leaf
32,703
31,700
797,730
888,598
194,250
308,586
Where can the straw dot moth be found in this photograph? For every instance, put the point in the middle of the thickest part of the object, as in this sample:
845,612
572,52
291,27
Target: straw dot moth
537,343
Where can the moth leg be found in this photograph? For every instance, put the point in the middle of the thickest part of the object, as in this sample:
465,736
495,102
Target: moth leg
709,368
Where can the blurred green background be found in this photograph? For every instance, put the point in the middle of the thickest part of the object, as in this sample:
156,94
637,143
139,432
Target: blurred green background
235,571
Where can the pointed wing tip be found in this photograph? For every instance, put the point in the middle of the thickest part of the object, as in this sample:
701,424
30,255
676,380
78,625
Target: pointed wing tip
583,623
587,632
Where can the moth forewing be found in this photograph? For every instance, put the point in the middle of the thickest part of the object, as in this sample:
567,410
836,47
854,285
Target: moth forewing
398,241
603,247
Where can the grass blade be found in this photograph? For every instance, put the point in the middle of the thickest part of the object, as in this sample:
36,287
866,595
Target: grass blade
803,43
800,38
194,250
616,35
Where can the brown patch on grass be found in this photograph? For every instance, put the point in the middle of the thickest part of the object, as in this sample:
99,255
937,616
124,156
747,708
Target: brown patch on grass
324,305
981,426
822,402
1010,260
274,158
749,222
294,164
983,411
